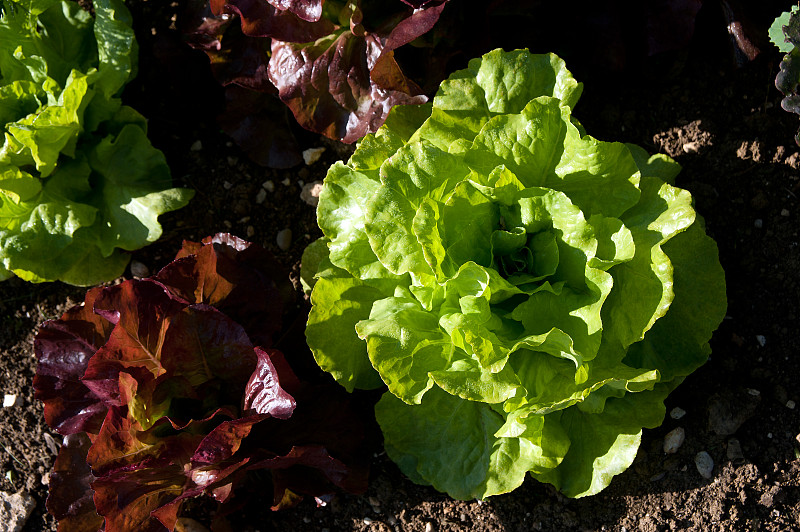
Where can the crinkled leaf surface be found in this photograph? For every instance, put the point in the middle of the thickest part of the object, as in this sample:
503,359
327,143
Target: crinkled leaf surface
60,75
63,349
242,280
528,294
333,65
71,497
163,390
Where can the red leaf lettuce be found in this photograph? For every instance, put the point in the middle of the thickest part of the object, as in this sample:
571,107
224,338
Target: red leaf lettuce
333,64
172,387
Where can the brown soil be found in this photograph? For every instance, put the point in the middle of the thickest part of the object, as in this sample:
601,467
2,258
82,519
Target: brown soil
723,124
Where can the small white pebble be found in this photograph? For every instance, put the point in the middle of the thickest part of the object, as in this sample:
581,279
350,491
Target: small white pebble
46,479
691,147
367,521
753,392
196,146
677,413
761,339
268,185
261,196
284,239
769,435
704,464
673,440
312,155
784,212
759,223
311,192
790,404
286,182
227,185
9,399
428,527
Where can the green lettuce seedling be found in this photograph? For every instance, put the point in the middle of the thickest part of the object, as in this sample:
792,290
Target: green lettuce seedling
79,179
528,294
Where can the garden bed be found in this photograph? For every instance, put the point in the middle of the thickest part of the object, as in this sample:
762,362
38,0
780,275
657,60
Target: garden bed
723,124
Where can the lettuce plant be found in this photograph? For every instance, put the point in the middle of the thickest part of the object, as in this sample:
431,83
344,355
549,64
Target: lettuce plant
785,34
528,294
79,180
331,62
174,386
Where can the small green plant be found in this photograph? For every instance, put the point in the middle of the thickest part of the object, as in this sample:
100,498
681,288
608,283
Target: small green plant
79,179
785,34
528,294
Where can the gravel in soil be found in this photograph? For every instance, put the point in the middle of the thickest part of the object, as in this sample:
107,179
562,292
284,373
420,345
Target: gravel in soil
737,467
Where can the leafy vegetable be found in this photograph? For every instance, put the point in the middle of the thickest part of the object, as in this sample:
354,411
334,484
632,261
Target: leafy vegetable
332,64
785,34
162,395
79,180
528,294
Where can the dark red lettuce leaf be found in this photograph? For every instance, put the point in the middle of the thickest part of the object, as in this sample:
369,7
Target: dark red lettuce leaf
166,398
338,76
308,10
263,19
328,87
127,499
63,349
263,394
253,116
70,500
322,472
240,279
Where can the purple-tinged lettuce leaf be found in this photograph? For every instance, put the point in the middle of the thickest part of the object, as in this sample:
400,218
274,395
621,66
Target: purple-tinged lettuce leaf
344,84
263,394
70,499
265,19
63,349
168,398
240,279
334,68
308,10
326,472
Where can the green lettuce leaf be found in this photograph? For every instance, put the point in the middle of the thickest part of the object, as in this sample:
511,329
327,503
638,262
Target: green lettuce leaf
528,294
80,180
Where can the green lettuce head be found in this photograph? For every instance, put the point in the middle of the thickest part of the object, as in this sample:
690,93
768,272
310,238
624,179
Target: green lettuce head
528,294
79,179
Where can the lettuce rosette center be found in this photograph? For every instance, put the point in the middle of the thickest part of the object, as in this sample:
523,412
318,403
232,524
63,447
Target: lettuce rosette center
528,294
